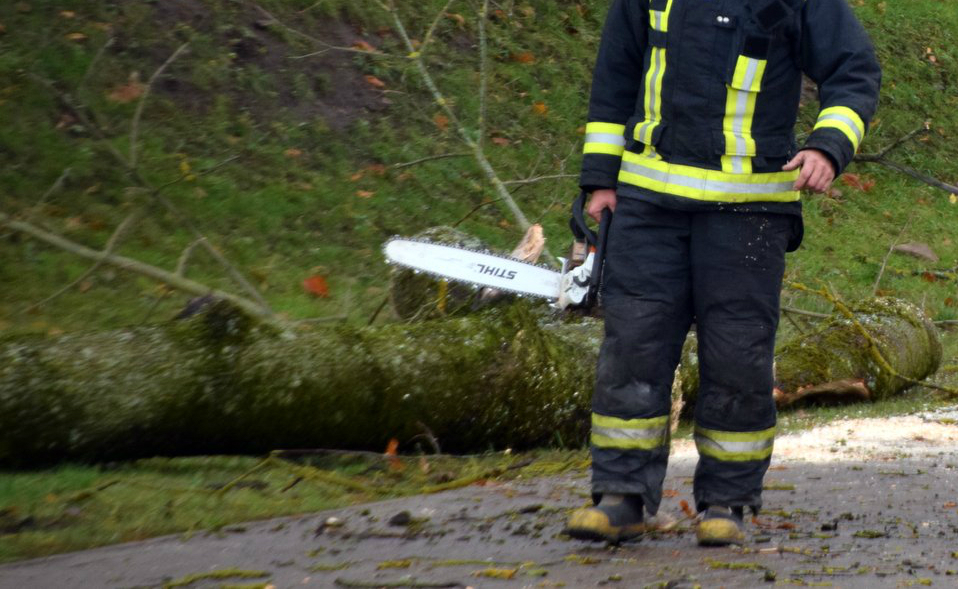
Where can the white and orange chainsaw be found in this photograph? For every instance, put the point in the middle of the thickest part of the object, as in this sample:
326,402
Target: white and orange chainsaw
575,286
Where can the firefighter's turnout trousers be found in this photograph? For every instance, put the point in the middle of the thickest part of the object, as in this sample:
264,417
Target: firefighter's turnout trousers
666,268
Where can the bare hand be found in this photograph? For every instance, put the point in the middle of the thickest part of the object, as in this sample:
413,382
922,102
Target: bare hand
817,171
604,198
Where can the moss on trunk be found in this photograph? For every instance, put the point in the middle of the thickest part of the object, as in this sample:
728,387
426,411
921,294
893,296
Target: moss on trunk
219,383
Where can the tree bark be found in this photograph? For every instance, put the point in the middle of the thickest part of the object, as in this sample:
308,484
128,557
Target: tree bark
221,382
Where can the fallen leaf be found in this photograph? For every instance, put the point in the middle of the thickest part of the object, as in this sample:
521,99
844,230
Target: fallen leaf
68,14
950,504
953,198
316,285
929,277
3,29
500,141
460,20
374,81
441,120
540,108
392,453
293,153
126,93
364,46
684,505
918,250
524,57
76,37
669,493
365,193
66,120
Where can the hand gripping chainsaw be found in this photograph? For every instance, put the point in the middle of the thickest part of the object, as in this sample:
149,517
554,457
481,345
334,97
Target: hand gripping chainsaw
576,286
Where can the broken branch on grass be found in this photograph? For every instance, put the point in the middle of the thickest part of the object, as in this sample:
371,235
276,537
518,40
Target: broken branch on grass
124,263
813,314
879,158
138,114
430,158
483,75
525,181
111,244
432,27
891,248
474,209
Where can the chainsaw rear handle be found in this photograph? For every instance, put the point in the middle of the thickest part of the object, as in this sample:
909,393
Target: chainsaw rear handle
582,233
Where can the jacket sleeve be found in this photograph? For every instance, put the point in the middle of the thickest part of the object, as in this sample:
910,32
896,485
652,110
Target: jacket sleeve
838,55
616,81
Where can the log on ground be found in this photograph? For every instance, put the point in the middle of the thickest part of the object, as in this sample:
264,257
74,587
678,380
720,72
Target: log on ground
221,383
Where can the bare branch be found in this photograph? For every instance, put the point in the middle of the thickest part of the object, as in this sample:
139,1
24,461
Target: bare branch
428,159
812,314
111,244
483,71
124,263
538,179
312,39
93,62
879,158
464,135
185,257
891,248
135,124
432,27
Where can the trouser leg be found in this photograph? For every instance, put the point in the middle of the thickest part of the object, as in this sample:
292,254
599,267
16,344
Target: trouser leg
738,261
646,295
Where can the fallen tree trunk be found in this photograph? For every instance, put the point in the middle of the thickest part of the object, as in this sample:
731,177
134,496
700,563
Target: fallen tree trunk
838,362
219,382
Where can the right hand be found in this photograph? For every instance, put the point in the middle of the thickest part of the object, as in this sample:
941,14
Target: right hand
604,198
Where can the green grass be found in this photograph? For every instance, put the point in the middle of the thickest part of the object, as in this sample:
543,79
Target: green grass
73,507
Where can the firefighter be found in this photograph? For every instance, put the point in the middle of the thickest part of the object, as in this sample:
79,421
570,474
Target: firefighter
690,141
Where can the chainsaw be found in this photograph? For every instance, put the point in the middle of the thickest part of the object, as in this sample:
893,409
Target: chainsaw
575,286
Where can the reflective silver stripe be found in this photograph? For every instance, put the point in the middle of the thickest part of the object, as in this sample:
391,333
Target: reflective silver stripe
738,164
657,19
607,138
734,447
706,184
842,118
646,133
618,433
741,105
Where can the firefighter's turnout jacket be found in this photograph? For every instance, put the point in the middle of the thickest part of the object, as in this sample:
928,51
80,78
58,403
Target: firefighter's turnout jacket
694,101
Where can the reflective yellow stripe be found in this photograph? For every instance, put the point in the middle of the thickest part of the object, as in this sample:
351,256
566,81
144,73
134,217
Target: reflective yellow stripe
845,120
607,128
630,434
739,112
607,138
735,446
659,21
704,184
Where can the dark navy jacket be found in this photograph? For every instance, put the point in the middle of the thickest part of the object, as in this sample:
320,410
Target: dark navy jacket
694,101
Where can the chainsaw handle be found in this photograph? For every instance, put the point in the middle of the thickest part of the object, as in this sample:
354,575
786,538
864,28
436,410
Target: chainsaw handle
577,223
598,263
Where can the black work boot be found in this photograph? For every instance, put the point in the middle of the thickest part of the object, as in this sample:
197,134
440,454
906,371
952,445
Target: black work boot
614,519
721,526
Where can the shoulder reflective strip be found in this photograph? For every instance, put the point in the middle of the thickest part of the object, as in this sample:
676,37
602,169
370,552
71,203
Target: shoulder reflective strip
703,184
659,21
739,112
845,120
735,446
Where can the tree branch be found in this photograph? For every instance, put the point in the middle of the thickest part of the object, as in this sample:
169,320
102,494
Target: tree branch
891,248
464,135
124,263
138,114
111,245
427,159
879,158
